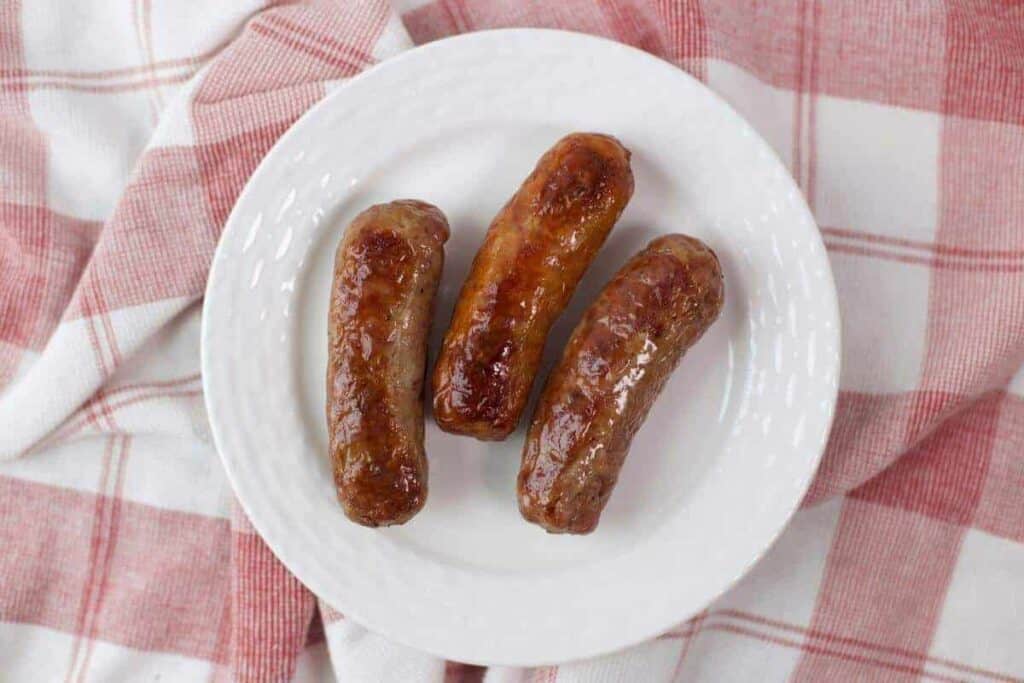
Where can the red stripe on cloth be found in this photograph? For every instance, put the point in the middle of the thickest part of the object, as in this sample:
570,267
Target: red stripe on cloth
272,613
222,645
841,665
97,411
246,100
864,651
636,24
883,51
87,414
163,562
457,10
112,346
943,476
144,33
27,279
805,99
985,65
885,577
101,88
457,672
14,105
869,432
872,431
98,539
690,630
105,544
22,152
159,242
760,37
315,634
87,297
812,87
854,642
89,75
927,261
686,35
225,166
24,264
976,316
981,253
119,389
343,63
355,55
256,64
798,100
430,22
1001,509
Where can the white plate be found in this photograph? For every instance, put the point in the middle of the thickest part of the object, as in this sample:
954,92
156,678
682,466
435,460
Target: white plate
727,451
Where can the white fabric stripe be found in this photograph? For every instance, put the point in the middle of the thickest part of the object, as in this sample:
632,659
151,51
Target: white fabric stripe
37,653
32,409
361,655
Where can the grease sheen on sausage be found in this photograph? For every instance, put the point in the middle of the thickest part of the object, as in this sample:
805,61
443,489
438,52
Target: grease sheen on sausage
615,364
386,271
535,252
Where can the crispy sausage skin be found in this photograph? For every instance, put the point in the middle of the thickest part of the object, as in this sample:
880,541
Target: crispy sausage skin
386,271
615,364
535,252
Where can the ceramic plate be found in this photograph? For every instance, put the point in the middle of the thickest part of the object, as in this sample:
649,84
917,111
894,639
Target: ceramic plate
727,451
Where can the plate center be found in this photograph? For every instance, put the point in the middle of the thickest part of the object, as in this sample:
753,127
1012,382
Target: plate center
471,518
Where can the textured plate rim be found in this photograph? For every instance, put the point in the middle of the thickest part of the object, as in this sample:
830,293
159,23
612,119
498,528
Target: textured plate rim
831,305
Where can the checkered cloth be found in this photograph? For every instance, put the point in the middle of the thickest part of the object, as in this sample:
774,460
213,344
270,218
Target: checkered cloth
128,127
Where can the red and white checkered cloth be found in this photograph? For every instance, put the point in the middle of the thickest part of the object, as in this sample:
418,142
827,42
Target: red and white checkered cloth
128,127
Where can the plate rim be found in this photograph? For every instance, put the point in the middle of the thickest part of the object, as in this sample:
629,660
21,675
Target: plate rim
831,304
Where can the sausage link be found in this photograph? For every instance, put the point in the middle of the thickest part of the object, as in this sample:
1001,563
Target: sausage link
386,271
535,252
615,364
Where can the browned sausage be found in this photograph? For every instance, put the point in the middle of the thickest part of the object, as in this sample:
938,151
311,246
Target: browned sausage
615,364
386,271
534,254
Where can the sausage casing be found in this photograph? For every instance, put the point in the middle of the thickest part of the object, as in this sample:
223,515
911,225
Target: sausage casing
386,271
615,364
535,252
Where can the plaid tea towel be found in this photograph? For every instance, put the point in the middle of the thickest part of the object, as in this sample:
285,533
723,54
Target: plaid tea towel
127,129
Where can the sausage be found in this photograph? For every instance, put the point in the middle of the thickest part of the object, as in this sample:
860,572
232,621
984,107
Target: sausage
615,364
386,271
535,252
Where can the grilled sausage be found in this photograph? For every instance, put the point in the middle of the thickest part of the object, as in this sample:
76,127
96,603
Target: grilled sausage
615,364
535,252
386,271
